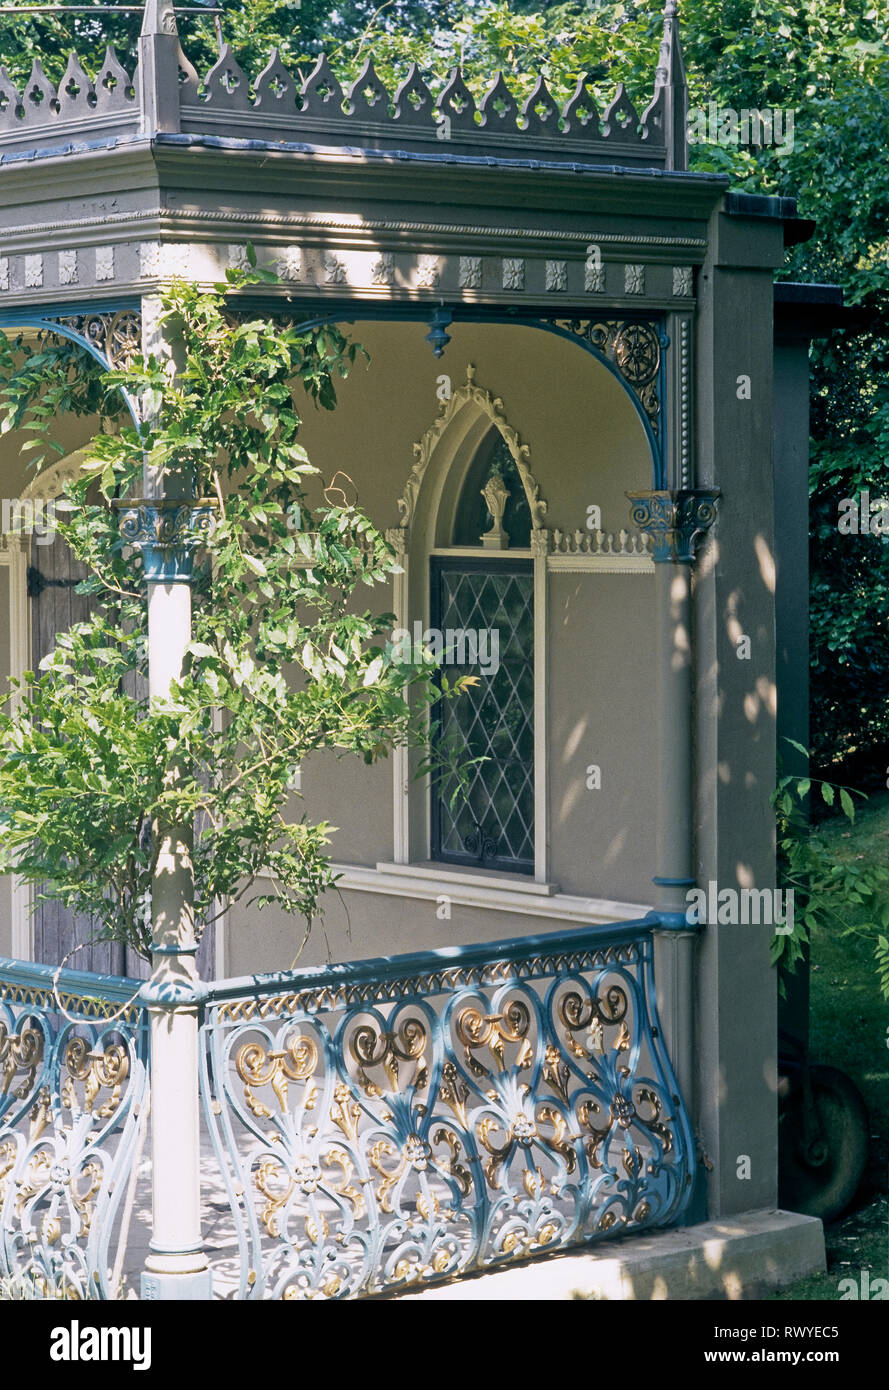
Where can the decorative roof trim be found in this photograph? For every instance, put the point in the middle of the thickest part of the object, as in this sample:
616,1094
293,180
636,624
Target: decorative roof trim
167,95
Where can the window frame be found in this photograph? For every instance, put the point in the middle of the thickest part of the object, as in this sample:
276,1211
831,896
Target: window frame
483,561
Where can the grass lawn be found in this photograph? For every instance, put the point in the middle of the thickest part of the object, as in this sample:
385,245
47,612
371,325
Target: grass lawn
849,1023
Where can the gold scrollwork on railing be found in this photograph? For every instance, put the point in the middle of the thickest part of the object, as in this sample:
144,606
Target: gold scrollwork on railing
587,1112
454,1091
646,1096
416,1154
51,1174
476,1030
345,1111
386,1048
338,1158
306,1177
40,1114
559,1141
593,1016
453,1166
276,1186
97,1071
297,1061
19,1052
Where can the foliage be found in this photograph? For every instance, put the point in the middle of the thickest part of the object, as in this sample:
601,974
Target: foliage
280,663
300,29
828,890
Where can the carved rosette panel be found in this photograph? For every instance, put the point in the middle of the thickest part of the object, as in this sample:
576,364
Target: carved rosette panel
70,1098
427,1130
634,348
117,336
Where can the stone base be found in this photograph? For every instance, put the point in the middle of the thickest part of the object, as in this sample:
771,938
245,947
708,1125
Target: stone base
189,1287
739,1257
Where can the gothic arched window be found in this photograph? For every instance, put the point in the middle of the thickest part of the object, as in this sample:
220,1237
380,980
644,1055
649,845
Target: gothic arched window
482,605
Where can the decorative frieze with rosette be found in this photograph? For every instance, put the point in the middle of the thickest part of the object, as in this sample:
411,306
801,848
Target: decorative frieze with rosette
116,335
634,347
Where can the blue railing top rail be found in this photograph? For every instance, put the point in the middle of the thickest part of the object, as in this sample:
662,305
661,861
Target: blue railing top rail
79,992
426,970
97,996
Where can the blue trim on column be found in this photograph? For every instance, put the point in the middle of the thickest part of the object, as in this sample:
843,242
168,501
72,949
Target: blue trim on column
671,921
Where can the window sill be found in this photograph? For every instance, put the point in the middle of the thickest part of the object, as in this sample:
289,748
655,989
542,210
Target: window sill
501,893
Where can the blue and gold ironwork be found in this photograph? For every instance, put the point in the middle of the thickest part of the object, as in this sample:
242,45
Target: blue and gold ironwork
167,532
115,334
674,520
73,1083
387,1123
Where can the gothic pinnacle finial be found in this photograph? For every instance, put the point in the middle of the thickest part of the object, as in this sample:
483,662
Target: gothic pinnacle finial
670,69
159,18
671,90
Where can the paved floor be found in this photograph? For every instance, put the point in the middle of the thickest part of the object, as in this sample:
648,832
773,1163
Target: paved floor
217,1225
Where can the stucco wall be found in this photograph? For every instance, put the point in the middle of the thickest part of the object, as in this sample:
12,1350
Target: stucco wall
587,448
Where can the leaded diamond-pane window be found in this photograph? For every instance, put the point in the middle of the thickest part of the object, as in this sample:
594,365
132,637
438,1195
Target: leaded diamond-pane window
484,610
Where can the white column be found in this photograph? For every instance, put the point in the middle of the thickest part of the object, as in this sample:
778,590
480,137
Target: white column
167,531
176,1266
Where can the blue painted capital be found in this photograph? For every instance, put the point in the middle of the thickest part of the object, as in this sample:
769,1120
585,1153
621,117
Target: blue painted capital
167,532
674,520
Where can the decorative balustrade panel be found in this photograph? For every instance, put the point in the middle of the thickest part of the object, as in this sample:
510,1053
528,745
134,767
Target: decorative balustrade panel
451,1113
73,1093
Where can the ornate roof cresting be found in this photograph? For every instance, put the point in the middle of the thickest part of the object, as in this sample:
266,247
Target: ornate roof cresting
166,94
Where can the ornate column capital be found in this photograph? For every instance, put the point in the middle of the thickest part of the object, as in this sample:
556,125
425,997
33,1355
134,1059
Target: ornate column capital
167,531
674,520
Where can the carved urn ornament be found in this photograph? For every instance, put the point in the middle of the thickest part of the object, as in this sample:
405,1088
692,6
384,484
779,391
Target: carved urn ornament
496,495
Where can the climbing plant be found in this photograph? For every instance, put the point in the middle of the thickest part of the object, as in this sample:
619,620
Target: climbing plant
280,664
848,895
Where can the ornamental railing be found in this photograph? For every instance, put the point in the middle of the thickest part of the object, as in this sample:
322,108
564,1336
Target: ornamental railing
73,1112
392,1122
166,94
